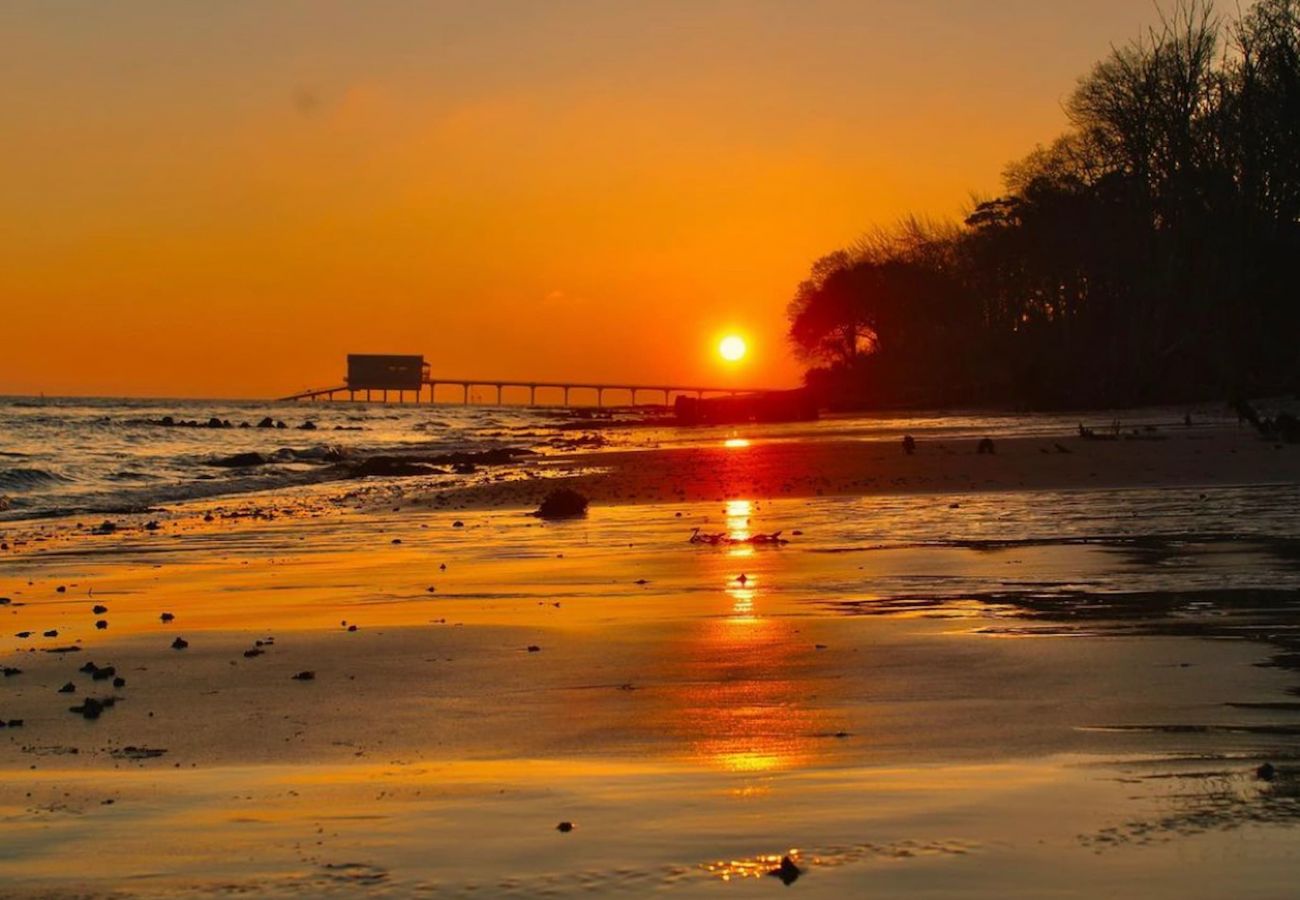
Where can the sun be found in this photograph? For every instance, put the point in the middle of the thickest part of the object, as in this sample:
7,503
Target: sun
732,348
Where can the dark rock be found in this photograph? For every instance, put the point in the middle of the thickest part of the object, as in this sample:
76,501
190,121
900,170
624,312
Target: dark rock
564,503
24,635
103,674
51,633
249,654
61,589
104,527
307,426
268,422
788,872
909,444
1266,772
99,609
464,468
101,624
15,723
10,671
151,525
533,648
180,644
305,676
352,628
88,667
68,688
985,446
166,617
564,827
391,467
458,524
240,461
119,681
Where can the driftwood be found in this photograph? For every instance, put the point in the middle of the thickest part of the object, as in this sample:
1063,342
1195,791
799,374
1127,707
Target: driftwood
721,538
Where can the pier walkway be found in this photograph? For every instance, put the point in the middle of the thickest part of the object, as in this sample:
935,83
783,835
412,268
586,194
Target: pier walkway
561,391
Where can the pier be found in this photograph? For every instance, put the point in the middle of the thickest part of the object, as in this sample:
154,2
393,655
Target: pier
561,393
408,379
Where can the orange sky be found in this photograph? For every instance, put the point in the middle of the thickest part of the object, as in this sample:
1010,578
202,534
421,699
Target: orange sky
222,199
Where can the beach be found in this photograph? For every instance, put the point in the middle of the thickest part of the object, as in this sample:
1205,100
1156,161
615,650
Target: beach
1053,670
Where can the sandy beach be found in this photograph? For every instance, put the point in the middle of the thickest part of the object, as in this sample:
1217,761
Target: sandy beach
963,674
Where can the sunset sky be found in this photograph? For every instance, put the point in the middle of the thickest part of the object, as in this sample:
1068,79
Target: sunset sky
222,199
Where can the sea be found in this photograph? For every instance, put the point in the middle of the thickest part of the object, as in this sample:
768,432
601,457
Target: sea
62,456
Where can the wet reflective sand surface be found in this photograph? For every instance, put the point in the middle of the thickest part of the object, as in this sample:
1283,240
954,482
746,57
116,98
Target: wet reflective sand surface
1047,693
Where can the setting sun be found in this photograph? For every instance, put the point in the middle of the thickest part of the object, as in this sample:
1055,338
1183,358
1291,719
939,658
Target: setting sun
732,348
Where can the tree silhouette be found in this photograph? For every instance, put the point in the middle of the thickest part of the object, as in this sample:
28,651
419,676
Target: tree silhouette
1143,255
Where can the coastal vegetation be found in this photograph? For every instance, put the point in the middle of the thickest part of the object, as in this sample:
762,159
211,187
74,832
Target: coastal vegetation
1147,254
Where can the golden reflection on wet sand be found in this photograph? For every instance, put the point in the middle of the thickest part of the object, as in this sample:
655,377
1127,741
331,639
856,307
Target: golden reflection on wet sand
739,683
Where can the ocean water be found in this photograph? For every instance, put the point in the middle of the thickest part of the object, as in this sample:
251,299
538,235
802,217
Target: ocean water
66,456
92,455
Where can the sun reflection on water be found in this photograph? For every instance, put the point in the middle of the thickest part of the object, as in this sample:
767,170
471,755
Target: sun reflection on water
753,867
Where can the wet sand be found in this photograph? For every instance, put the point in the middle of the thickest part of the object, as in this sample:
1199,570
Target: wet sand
772,469
1055,692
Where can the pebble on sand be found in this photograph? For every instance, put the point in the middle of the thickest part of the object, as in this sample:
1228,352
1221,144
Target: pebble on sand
180,644
564,827
91,708
166,617
305,676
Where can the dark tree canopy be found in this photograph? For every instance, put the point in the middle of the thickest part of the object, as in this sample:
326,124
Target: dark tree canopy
1148,254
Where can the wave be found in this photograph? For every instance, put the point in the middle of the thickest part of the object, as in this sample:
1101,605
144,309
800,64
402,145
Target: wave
19,479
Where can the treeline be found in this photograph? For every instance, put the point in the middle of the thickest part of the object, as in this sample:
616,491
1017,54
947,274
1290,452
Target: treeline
1149,254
